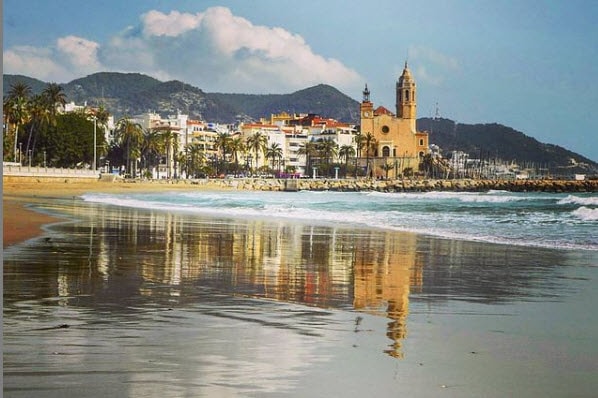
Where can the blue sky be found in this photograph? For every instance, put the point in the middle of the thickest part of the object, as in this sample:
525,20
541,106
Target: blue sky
530,65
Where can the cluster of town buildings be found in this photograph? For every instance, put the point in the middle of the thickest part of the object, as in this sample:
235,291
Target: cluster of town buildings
394,143
393,138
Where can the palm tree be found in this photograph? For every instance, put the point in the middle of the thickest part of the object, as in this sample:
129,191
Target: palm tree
152,148
257,142
346,151
359,143
16,109
370,144
274,152
387,167
130,136
309,149
54,97
328,149
236,145
223,143
102,116
195,159
170,143
40,119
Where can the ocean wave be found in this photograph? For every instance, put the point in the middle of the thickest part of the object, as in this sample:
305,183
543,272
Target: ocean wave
579,200
465,197
586,214
447,216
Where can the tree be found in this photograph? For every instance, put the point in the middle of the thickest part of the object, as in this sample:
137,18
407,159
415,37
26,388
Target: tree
257,142
327,149
387,167
236,145
53,97
309,149
195,159
39,121
223,143
16,108
129,135
69,143
171,144
370,145
274,152
151,150
359,143
346,152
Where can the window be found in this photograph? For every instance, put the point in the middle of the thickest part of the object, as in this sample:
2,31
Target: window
406,95
385,151
385,129
421,141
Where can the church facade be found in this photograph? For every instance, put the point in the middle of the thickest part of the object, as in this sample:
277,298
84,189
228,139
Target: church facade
397,145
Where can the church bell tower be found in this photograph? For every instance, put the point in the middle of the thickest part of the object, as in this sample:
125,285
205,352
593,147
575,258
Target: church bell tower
406,96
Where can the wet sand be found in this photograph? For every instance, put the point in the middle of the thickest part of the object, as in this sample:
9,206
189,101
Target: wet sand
21,224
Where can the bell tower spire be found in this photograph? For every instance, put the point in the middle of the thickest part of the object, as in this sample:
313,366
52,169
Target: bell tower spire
406,96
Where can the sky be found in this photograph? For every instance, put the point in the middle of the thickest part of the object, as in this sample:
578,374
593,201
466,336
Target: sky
528,64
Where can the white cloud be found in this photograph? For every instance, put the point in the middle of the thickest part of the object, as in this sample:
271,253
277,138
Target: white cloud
213,50
156,23
34,62
79,52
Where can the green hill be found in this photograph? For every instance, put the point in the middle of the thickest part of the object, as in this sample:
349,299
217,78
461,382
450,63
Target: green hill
495,141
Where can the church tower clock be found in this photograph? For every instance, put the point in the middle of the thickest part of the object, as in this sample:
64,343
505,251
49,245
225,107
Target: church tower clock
367,107
406,96
366,113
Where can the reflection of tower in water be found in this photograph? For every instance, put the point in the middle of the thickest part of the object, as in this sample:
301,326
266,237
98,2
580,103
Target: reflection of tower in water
385,273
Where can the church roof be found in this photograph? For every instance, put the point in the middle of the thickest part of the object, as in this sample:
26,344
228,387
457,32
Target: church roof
382,111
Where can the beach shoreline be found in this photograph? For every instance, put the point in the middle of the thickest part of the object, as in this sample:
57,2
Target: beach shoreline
21,223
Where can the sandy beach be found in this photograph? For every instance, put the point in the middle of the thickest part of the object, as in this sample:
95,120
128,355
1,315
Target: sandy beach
20,223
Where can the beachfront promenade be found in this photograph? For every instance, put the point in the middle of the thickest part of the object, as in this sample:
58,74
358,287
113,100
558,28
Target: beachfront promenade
16,170
320,184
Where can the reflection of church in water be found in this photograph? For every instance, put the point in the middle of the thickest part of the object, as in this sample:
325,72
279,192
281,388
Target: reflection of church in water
383,282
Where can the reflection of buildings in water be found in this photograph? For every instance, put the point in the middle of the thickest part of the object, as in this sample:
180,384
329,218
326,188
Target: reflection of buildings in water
289,262
315,265
385,273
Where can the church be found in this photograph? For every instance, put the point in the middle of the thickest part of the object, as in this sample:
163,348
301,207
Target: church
397,142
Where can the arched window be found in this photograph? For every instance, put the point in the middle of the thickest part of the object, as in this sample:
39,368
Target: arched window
406,95
421,155
385,151
421,141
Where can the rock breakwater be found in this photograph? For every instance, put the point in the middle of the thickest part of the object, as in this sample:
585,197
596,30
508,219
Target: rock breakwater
353,185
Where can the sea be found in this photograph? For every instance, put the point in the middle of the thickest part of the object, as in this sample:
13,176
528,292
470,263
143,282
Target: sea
305,294
567,221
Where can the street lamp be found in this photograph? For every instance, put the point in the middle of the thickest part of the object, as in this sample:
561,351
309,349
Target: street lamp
94,143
